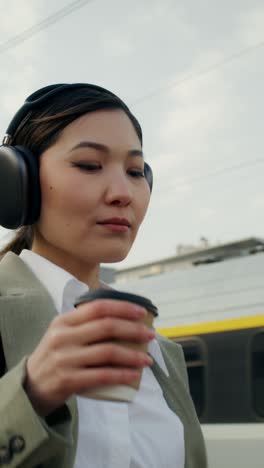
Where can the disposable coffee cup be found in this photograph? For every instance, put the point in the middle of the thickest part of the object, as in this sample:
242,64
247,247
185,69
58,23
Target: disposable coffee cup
127,392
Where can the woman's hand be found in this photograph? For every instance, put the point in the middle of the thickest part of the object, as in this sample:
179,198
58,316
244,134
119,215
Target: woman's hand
78,352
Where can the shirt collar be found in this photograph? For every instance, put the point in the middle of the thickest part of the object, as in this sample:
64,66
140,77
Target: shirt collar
63,287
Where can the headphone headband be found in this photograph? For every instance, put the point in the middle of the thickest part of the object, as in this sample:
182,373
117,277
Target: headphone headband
38,97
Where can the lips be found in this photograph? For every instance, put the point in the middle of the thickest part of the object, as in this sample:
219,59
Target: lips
115,221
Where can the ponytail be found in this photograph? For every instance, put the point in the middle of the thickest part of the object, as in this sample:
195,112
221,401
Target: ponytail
22,240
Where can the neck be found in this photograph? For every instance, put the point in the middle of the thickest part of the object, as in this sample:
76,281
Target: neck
83,271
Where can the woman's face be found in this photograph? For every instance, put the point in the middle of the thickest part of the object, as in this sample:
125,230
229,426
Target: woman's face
94,194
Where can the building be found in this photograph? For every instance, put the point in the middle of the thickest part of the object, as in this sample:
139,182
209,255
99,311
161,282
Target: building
192,257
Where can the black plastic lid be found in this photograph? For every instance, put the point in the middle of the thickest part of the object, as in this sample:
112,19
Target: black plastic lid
118,295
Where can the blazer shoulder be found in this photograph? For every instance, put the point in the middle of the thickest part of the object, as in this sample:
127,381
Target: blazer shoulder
16,277
10,266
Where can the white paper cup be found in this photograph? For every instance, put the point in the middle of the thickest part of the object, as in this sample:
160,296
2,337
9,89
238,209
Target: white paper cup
127,392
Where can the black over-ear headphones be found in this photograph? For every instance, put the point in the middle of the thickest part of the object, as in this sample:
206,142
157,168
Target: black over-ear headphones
20,196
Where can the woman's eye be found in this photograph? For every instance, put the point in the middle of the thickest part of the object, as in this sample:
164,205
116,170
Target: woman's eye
87,167
136,173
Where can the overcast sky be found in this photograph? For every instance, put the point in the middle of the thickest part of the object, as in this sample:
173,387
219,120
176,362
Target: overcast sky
192,71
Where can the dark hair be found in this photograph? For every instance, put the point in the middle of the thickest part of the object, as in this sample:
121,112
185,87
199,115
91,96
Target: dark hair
42,126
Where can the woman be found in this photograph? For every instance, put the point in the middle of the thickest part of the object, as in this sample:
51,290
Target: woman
83,191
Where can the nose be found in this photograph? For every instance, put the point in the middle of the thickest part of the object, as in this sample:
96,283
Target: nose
119,190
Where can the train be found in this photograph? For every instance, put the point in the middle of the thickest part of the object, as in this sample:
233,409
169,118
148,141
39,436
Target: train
216,313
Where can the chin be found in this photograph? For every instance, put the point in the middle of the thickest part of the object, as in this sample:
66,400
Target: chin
114,256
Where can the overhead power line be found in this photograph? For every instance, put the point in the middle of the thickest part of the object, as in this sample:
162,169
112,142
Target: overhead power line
77,4
43,24
199,73
222,171
212,175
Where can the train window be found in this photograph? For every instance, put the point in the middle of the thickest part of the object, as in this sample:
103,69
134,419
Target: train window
258,373
195,357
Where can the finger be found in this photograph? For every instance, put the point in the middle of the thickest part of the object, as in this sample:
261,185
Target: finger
83,380
102,308
101,355
105,329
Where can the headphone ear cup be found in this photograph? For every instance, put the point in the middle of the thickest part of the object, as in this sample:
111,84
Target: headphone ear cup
33,186
19,187
148,175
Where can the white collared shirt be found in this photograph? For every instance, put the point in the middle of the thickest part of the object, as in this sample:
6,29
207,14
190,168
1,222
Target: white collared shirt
142,434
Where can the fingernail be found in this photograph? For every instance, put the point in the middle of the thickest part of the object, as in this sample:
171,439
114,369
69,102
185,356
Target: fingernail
151,335
139,311
148,361
134,373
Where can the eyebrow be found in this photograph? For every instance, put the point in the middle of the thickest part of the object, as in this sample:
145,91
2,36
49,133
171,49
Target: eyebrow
103,148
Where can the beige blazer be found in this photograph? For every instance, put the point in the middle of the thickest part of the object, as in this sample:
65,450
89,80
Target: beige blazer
27,440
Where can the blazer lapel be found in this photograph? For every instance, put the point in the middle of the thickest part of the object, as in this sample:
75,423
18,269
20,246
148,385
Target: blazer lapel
26,310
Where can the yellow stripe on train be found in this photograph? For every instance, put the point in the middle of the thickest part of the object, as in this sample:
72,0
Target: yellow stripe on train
254,321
